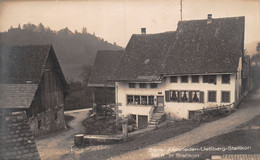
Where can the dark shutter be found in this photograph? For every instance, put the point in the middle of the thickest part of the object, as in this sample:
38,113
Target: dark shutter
201,97
167,96
179,96
190,96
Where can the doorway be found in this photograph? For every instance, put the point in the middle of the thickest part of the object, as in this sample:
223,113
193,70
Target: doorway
160,103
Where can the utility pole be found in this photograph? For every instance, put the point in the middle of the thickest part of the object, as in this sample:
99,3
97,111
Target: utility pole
181,9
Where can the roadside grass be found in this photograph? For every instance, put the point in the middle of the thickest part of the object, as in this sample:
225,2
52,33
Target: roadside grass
169,130
245,140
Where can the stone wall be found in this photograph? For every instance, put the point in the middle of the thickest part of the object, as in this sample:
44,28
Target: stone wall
48,121
16,137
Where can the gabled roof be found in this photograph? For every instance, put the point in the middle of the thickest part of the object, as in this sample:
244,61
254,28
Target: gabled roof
105,63
17,95
197,47
16,137
202,47
23,64
21,70
20,64
143,57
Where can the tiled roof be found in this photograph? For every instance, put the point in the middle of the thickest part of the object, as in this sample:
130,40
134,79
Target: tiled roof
197,47
105,62
16,138
202,48
21,70
143,57
20,64
17,95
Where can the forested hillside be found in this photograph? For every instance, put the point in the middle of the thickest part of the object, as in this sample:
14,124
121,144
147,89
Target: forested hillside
74,49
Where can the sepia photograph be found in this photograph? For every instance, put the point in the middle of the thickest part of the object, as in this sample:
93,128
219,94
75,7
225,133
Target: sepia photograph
129,80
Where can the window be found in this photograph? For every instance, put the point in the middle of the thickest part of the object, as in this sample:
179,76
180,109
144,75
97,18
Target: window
210,79
174,79
140,100
137,100
130,99
184,96
131,85
212,96
153,85
174,97
143,85
195,96
225,96
144,100
226,78
195,79
184,79
151,100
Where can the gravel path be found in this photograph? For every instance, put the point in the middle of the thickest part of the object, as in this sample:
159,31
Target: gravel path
59,143
248,111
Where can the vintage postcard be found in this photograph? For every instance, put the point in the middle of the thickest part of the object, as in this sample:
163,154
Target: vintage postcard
129,79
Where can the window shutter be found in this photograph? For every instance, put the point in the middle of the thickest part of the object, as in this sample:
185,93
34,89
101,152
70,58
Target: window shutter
201,97
167,96
179,96
190,96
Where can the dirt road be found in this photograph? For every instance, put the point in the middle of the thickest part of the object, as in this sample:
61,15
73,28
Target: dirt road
57,144
248,111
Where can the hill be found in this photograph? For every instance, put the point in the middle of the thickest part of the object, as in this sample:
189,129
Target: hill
74,50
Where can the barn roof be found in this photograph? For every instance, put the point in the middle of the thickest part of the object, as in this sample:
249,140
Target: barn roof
17,139
105,62
17,95
197,47
25,64
21,70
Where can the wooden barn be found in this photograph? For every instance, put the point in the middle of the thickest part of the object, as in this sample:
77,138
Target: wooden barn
105,62
31,80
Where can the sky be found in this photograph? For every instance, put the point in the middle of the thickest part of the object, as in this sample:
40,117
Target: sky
117,20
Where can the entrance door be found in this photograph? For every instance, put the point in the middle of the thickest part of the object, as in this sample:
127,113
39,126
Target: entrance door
160,103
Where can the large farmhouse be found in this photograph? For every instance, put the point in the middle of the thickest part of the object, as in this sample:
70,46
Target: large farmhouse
200,65
32,81
197,66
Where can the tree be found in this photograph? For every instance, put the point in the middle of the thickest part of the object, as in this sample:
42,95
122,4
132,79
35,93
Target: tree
30,27
256,57
84,30
85,74
258,48
41,27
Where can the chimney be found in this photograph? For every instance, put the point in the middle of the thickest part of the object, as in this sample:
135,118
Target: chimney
209,20
143,30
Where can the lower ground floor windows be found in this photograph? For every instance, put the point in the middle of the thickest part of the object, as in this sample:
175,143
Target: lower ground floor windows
225,96
140,100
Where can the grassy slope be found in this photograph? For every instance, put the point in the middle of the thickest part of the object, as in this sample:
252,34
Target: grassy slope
243,136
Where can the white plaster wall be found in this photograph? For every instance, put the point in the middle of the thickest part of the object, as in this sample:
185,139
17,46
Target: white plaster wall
176,109
122,90
239,80
180,109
